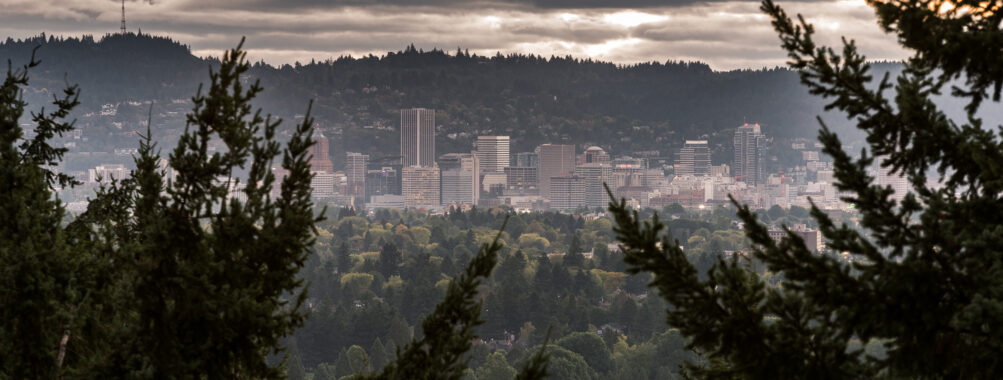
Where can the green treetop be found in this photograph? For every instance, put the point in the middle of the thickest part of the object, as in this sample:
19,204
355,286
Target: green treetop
926,276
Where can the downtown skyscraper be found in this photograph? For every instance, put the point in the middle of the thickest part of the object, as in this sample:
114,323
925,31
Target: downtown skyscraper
355,173
555,161
694,159
749,146
417,137
493,153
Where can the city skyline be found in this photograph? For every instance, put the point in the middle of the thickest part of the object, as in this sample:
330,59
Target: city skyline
618,31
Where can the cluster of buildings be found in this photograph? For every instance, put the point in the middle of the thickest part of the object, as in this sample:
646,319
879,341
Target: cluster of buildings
560,177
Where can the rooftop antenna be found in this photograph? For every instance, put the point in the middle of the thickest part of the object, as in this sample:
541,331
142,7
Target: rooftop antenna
123,17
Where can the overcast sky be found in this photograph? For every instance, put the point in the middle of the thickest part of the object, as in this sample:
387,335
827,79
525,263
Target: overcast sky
725,34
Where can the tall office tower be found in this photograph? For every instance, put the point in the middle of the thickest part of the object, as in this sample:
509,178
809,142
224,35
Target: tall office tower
694,159
355,173
749,146
320,160
567,192
386,181
594,155
493,153
461,181
417,137
527,159
595,174
420,186
555,161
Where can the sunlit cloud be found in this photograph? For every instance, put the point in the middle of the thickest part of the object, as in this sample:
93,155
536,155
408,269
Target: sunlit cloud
727,35
633,18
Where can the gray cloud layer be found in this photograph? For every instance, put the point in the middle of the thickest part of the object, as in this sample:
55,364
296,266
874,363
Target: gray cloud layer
726,34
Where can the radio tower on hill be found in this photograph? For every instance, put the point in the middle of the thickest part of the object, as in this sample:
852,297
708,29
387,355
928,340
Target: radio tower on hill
123,17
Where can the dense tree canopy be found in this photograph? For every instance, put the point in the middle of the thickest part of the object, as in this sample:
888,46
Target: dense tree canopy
924,278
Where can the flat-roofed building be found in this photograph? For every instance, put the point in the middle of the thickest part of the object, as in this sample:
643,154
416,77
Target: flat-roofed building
567,193
420,186
694,159
493,153
556,160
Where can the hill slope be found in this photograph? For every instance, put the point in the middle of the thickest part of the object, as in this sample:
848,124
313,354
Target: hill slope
650,106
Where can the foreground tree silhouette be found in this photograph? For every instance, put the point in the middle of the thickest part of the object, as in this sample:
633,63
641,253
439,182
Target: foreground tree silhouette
928,275
174,277
210,281
36,295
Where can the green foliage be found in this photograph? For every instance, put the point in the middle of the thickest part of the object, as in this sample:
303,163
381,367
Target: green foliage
533,240
495,368
40,298
449,330
164,278
378,355
358,360
936,248
295,370
563,364
592,348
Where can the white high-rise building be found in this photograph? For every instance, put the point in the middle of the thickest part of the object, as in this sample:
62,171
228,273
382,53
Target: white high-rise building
749,146
493,152
417,137
694,159
461,184
595,175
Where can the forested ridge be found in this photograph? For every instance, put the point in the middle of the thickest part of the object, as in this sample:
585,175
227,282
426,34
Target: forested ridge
534,99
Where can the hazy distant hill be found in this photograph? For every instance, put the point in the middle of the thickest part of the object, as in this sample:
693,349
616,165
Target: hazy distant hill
534,99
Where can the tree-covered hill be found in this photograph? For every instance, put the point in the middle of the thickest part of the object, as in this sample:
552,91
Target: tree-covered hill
647,106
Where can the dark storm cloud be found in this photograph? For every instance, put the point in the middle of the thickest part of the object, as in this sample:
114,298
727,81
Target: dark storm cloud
725,34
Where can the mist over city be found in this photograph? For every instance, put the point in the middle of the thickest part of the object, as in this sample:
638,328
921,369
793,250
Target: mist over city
500,189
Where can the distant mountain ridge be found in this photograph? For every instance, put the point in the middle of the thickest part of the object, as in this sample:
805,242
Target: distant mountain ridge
646,106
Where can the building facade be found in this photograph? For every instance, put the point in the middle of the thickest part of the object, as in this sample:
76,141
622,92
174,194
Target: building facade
555,161
567,193
493,152
417,137
320,160
595,175
385,181
461,182
420,186
749,146
355,173
694,159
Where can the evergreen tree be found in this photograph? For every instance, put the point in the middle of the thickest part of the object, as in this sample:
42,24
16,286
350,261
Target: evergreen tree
574,257
38,304
378,354
928,269
448,331
342,366
496,368
295,370
390,259
206,284
344,259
